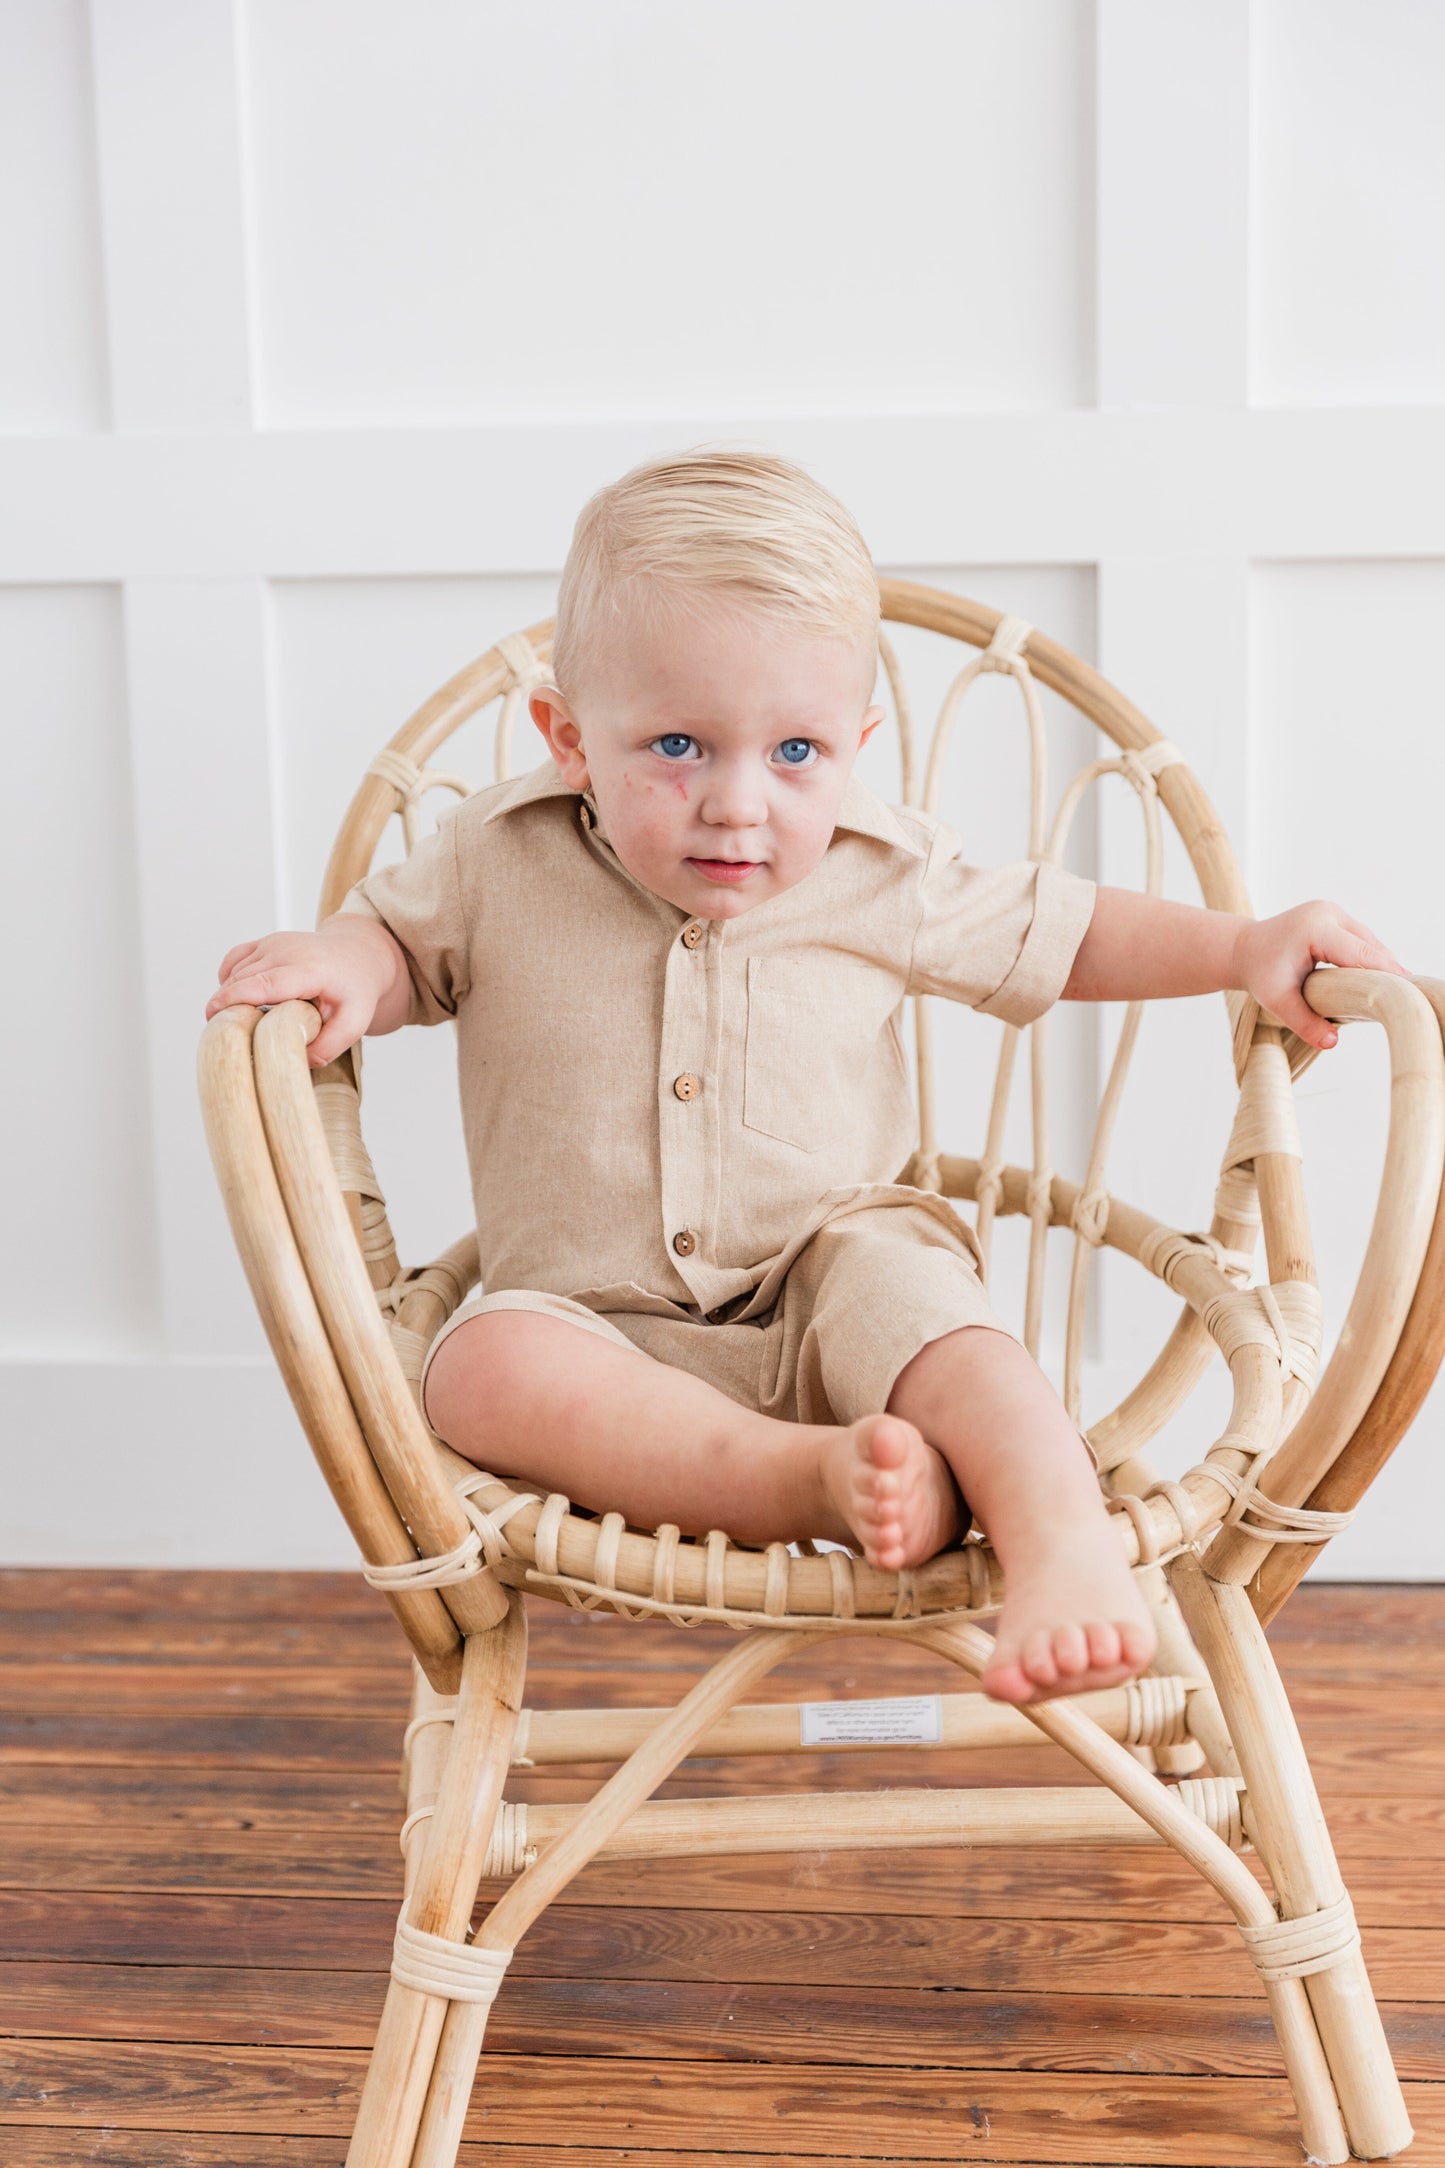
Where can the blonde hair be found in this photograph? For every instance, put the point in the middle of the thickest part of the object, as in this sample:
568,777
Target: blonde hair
705,523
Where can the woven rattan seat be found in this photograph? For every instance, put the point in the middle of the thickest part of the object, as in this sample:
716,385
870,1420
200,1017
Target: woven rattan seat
453,1549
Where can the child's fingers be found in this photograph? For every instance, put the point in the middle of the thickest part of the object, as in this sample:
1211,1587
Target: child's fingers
283,982
233,956
342,1028
1374,955
228,997
1292,1009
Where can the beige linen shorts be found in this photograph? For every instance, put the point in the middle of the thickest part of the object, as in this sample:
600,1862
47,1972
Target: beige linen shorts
856,1304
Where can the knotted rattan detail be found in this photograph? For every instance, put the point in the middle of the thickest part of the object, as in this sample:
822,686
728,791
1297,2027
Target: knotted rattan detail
508,1850
1218,1801
457,1971
1162,1251
411,784
1158,1711
443,1571
1259,1515
1290,1949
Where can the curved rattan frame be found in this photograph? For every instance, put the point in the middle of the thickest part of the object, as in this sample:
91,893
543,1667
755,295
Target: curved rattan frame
452,1548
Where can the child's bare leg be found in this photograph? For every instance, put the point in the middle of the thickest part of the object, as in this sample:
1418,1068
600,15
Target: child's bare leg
1072,1615
558,1407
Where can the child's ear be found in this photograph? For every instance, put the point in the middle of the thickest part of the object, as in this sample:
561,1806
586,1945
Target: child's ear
872,718
552,716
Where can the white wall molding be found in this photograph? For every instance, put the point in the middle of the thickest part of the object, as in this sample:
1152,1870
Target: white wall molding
1066,488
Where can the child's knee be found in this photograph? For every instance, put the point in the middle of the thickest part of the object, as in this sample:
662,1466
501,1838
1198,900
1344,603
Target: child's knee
484,1364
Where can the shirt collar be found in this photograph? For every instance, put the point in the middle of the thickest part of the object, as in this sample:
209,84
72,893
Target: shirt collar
864,814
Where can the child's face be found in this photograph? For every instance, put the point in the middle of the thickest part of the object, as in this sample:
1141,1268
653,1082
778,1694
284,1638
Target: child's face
717,747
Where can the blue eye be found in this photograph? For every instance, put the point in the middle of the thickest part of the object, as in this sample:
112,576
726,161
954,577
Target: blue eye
672,746
797,752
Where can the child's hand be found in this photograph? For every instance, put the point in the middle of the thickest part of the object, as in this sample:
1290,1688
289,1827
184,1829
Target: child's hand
351,968
1276,955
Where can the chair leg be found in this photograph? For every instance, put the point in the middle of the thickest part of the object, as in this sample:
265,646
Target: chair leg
443,1889
1285,1822
634,1780
1177,1656
1321,2125
453,2076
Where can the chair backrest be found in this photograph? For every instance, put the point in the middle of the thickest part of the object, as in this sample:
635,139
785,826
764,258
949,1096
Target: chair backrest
402,777
1322,1449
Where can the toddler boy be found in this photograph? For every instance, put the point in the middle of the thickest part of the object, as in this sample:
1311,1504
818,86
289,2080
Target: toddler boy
676,954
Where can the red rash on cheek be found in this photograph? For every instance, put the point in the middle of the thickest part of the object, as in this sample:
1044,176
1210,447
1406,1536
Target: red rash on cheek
681,788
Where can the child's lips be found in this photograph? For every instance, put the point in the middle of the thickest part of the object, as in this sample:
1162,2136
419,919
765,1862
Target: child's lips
727,870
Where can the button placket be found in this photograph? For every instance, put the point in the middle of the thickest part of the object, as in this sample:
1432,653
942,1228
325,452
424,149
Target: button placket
682,1125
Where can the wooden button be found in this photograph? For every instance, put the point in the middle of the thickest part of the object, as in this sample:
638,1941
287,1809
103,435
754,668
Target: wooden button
584,816
687,1087
693,932
684,1243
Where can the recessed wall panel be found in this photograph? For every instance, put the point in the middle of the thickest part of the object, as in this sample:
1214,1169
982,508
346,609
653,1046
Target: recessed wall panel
79,1253
52,350
646,209
1349,202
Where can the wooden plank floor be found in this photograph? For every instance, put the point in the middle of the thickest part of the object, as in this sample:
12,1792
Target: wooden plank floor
199,1879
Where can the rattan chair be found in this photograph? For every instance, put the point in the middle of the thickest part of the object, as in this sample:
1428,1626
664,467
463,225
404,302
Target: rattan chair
452,1549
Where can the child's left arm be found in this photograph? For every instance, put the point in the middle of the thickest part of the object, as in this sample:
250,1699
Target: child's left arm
1139,947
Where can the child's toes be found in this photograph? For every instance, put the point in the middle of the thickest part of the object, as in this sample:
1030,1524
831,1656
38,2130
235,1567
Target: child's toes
1071,1651
1105,1646
889,1445
1005,1679
1036,1658
1136,1645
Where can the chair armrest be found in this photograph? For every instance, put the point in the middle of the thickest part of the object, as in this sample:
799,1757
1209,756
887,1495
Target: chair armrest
241,1155
1398,1397
1405,1215
316,1208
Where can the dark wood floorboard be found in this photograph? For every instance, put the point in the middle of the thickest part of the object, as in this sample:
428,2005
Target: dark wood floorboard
199,1879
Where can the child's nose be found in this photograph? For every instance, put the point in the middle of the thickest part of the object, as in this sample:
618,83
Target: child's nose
734,799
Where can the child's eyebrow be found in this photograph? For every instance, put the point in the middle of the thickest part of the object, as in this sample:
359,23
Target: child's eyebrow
775,733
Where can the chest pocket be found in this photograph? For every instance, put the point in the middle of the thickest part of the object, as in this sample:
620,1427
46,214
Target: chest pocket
812,1051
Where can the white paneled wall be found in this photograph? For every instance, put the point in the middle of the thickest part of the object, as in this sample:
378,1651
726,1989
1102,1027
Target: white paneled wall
321,321
646,209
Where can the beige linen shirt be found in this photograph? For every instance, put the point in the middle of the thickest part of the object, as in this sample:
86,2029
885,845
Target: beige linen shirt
661,1110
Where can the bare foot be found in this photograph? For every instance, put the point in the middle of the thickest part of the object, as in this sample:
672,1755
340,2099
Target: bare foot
893,1491
1072,1619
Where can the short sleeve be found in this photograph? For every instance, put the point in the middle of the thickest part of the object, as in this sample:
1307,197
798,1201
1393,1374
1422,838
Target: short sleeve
419,901
1001,939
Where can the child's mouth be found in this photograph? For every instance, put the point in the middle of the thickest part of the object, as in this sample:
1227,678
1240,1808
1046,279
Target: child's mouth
725,869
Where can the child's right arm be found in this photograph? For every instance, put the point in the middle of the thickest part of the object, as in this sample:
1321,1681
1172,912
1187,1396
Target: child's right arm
352,968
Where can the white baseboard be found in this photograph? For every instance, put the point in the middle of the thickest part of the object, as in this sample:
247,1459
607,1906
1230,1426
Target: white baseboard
202,1463
159,1464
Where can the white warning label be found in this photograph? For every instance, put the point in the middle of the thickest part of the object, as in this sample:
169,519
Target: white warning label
907,1720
